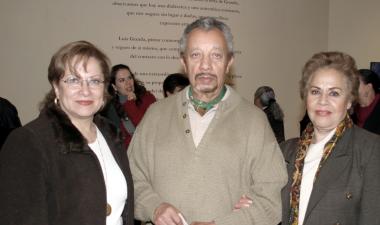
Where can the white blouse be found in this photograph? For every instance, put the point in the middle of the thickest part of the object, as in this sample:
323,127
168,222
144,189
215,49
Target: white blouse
115,182
313,157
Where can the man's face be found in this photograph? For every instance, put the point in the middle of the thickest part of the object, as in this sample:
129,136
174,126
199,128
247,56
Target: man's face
206,61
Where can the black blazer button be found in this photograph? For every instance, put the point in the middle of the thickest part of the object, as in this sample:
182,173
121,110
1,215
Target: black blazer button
184,116
187,131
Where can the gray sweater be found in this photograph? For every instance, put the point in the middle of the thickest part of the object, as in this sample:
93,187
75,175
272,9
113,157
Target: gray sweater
237,155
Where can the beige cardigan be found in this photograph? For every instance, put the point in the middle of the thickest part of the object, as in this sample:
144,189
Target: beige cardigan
237,155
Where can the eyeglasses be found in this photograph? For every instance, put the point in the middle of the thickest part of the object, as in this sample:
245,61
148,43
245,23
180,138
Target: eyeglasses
76,83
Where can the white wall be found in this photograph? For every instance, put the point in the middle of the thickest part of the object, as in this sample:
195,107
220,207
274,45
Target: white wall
285,34
354,27
275,38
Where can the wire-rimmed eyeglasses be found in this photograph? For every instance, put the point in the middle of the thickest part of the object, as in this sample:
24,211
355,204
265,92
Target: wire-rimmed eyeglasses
76,82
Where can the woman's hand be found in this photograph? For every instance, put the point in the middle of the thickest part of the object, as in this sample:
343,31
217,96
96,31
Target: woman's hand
131,95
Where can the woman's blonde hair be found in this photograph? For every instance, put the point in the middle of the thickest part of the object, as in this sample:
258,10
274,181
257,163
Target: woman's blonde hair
68,56
339,61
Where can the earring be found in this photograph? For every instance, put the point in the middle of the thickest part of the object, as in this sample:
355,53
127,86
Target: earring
56,101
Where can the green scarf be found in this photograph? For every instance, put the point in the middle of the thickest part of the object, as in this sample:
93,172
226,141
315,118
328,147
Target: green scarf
198,104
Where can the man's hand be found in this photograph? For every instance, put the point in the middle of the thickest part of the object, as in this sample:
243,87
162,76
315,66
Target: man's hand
244,202
166,214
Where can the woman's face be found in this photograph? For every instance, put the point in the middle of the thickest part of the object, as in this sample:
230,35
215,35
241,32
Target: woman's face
81,95
327,99
124,83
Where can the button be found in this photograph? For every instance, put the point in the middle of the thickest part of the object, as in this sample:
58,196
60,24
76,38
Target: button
184,116
349,195
184,103
187,131
108,209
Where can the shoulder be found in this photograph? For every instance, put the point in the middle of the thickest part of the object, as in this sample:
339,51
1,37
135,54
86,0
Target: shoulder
376,112
362,139
243,109
109,131
164,110
6,105
39,127
289,147
29,139
235,101
104,123
162,106
148,96
364,149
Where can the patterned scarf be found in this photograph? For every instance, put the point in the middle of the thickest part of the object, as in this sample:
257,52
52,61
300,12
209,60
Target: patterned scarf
303,145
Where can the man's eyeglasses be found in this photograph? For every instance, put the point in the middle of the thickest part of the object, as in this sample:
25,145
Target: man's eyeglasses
76,83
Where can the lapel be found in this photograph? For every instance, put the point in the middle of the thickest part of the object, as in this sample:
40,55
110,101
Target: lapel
113,143
331,170
290,156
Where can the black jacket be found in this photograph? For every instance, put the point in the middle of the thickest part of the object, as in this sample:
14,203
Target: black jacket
276,125
372,123
347,190
49,175
9,119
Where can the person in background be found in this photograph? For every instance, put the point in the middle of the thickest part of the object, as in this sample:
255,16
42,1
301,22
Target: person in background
202,154
367,111
67,167
334,167
129,102
9,119
265,99
174,83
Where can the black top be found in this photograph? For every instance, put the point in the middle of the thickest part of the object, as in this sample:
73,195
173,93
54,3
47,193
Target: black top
9,119
277,126
372,123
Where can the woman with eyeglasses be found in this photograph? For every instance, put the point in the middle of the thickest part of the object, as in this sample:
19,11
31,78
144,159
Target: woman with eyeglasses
129,102
67,166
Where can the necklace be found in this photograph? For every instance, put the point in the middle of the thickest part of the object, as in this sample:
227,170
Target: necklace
108,206
198,104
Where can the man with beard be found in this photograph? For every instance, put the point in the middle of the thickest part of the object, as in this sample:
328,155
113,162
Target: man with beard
206,156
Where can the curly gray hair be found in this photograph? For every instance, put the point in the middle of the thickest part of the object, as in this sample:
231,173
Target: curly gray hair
207,23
